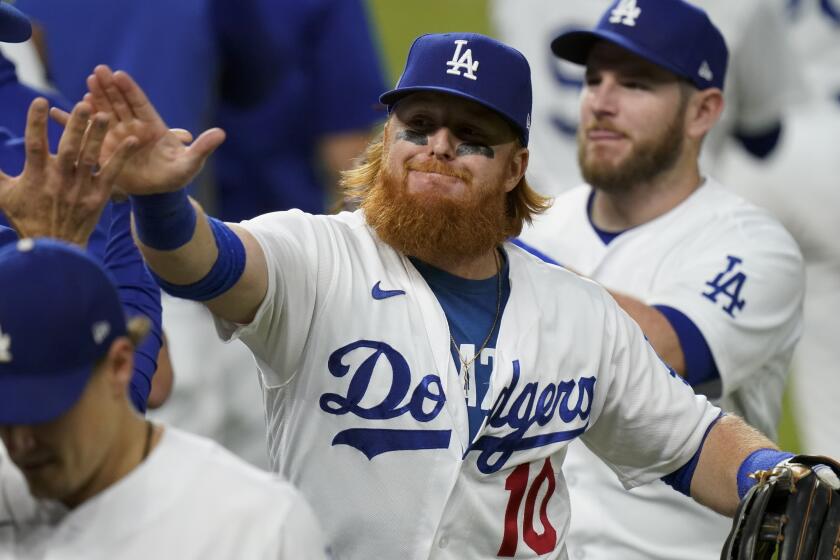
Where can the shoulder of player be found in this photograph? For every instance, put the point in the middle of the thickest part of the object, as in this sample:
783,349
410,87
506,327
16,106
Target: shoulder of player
727,215
570,205
218,465
549,282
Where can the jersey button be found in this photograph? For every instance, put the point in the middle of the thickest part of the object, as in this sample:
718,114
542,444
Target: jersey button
443,542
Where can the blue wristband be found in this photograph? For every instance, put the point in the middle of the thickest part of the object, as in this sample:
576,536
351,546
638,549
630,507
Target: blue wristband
164,221
759,460
225,272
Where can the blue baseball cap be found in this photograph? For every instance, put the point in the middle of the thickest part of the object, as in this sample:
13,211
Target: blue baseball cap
14,26
59,314
471,66
673,34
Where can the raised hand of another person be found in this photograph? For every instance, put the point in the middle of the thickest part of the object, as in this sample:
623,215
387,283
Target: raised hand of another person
163,162
62,195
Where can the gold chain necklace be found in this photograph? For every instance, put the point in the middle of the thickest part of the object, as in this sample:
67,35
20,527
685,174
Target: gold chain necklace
467,363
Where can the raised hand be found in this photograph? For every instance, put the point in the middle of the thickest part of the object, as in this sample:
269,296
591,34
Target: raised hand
62,195
163,161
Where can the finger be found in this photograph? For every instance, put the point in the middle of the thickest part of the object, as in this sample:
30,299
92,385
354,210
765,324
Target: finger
204,145
60,116
112,168
135,97
119,106
89,157
70,145
182,134
35,137
96,94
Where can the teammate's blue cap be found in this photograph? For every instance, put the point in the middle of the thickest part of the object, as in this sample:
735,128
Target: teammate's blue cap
471,66
59,314
14,26
673,34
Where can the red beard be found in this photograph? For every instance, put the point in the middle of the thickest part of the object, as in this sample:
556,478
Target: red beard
430,226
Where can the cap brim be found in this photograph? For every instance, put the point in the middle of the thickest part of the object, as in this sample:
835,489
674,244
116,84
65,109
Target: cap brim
36,398
574,46
14,25
393,96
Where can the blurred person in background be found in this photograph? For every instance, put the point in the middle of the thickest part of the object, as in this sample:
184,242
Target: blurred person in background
110,242
762,80
799,185
259,68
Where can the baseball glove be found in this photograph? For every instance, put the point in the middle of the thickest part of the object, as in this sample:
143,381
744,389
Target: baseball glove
794,509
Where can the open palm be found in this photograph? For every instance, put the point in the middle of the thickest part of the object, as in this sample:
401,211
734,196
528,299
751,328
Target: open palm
163,162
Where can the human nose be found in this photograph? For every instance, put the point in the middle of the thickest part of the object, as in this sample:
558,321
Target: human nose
17,439
442,143
600,97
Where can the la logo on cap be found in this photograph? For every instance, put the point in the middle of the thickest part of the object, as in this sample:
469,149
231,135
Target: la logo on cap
462,61
626,13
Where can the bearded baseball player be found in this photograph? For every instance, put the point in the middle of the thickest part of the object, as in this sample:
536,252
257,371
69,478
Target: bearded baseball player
763,79
715,283
423,377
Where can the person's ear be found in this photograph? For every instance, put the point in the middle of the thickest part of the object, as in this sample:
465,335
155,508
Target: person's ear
517,167
704,110
119,366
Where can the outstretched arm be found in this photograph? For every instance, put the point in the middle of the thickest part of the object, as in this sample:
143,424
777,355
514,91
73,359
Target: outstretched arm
173,232
715,481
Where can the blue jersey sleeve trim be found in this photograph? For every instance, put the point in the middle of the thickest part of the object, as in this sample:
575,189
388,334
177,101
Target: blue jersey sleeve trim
536,252
700,365
680,479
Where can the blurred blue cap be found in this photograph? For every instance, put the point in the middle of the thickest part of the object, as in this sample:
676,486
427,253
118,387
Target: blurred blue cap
471,66
673,34
59,314
14,26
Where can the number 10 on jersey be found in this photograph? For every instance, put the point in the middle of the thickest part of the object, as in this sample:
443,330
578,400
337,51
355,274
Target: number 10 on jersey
517,485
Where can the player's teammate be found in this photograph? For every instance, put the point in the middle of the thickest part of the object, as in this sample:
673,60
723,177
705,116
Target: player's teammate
762,81
111,484
422,377
799,185
715,283
110,241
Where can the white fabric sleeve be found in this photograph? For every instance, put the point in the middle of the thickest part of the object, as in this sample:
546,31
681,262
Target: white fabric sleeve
292,244
651,422
748,311
765,73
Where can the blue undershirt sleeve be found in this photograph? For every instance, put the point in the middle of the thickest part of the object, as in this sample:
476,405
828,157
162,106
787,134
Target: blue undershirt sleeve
700,365
680,479
139,295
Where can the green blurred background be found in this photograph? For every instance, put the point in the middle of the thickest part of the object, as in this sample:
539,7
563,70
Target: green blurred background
398,22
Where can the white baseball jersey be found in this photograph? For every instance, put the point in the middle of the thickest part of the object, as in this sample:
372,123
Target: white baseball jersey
762,78
367,415
190,499
737,275
799,185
